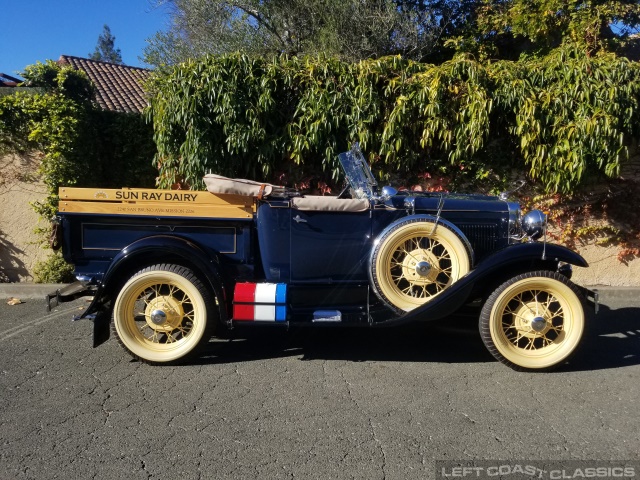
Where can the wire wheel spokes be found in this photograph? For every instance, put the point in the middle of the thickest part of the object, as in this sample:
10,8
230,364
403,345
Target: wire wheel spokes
163,314
533,319
420,267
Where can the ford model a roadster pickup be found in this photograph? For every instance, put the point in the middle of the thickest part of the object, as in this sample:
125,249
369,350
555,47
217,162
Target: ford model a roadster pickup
167,269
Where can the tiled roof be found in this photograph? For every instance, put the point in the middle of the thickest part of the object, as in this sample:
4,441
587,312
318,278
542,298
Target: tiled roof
118,87
8,80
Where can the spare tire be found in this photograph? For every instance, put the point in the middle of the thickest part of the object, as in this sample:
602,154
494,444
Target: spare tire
414,260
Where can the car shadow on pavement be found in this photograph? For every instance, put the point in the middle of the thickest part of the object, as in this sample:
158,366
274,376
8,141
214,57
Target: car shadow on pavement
612,340
454,342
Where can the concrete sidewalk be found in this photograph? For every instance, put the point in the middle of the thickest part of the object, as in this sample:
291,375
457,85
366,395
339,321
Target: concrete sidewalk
31,291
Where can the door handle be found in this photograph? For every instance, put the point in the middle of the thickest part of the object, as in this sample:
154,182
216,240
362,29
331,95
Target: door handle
299,219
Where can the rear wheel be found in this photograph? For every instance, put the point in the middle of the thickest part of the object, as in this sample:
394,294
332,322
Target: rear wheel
416,261
534,321
164,314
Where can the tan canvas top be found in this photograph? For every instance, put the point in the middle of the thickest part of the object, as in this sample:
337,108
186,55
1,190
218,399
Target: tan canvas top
239,186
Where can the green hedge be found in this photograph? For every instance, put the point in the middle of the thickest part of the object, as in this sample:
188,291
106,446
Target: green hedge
557,119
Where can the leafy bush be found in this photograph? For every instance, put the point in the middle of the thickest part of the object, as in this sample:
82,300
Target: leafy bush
53,270
557,118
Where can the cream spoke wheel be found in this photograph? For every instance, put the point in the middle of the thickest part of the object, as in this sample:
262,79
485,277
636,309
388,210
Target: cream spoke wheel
160,315
413,262
534,321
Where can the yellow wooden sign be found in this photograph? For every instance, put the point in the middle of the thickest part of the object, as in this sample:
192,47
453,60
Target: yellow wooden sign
159,203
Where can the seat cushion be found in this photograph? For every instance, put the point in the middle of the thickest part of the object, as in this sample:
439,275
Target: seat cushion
330,204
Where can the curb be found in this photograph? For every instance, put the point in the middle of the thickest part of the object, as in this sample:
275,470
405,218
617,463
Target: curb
27,290
617,293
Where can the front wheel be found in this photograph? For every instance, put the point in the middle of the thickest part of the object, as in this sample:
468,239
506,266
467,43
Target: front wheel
533,321
163,314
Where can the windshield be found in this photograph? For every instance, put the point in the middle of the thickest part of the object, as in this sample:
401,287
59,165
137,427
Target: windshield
358,173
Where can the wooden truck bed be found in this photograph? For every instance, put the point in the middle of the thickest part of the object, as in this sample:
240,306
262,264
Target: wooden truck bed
155,203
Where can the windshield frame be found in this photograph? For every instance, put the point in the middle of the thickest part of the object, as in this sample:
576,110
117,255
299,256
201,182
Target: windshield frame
358,173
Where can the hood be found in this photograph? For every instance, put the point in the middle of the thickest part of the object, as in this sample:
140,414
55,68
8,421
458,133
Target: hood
451,202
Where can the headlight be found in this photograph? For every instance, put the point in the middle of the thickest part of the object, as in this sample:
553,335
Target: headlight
533,224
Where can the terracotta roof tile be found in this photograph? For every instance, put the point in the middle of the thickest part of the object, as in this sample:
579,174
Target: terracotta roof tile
118,87
8,80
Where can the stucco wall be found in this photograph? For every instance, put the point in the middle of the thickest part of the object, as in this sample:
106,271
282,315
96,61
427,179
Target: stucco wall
19,186
604,266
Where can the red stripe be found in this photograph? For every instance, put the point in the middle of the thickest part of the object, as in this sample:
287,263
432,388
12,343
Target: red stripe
243,312
245,293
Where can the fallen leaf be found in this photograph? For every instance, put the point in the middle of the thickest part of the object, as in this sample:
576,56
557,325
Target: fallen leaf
14,301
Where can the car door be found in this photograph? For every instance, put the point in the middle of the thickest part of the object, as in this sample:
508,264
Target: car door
330,246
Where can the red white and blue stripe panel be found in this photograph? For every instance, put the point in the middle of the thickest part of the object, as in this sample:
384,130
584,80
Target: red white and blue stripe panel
260,302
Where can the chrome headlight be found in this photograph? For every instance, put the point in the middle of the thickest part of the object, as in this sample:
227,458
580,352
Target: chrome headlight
533,224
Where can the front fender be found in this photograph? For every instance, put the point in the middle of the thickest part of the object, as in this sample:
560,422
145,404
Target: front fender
144,252
508,262
527,253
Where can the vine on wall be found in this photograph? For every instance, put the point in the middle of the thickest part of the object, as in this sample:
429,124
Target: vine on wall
560,120
563,121
597,214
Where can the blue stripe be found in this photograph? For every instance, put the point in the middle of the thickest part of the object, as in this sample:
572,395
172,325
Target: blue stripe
281,293
281,313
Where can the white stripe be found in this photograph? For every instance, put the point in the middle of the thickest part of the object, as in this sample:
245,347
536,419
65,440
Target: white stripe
264,313
266,293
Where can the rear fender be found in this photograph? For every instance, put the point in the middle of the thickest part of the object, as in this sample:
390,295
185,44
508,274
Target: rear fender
505,263
142,253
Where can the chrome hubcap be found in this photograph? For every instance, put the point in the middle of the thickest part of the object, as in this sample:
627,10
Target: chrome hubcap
538,324
423,268
164,313
158,317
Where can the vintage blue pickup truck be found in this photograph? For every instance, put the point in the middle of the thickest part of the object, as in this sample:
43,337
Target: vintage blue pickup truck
167,269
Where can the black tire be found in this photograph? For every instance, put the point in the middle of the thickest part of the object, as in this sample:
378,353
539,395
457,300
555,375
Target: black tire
534,321
164,314
397,256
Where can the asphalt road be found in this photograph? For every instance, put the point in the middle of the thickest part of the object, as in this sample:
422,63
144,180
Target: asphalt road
306,403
